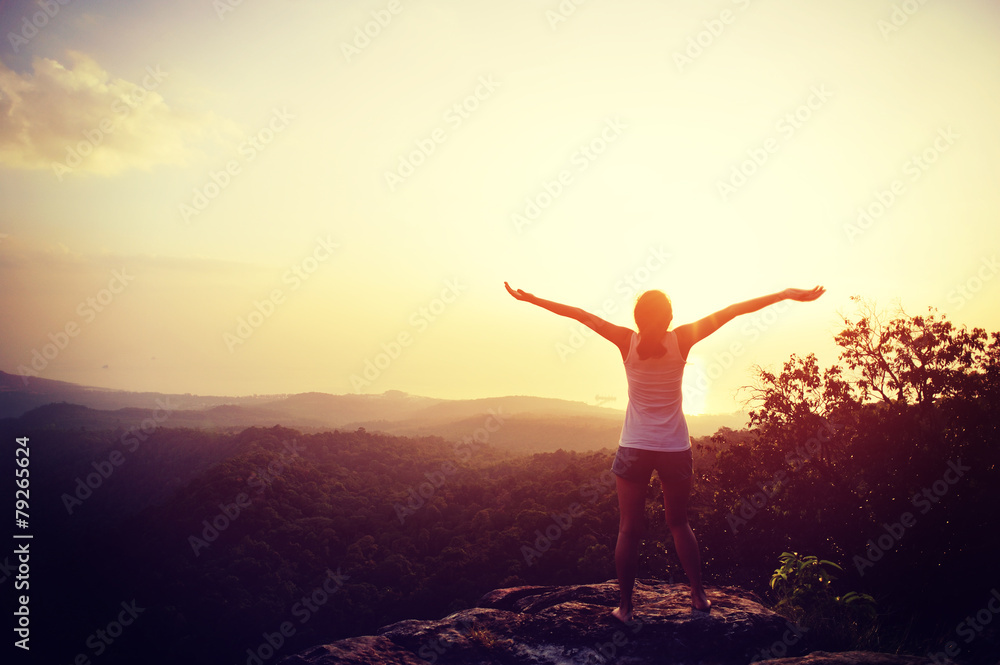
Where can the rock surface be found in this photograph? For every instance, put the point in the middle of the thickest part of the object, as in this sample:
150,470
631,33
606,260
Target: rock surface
848,658
572,625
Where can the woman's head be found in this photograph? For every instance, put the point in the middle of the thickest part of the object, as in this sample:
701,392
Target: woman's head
653,314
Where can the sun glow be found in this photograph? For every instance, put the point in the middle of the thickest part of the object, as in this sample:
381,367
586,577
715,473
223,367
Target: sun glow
583,174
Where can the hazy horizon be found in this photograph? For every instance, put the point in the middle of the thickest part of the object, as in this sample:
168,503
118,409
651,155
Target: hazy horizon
592,403
261,198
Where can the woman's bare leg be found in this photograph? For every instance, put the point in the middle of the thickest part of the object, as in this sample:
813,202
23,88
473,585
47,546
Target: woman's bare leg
631,516
675,503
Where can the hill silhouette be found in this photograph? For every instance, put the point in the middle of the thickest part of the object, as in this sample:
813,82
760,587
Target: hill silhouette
530,424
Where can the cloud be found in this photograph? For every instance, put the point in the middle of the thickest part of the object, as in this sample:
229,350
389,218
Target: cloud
79,119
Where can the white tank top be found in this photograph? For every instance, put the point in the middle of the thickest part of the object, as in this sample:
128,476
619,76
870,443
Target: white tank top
653,418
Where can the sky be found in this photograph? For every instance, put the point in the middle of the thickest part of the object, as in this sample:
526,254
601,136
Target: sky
255,197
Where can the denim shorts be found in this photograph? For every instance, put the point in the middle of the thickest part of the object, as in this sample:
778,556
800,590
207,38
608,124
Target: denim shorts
636,465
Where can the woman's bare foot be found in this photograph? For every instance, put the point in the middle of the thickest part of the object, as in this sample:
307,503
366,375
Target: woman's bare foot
700,601
622,615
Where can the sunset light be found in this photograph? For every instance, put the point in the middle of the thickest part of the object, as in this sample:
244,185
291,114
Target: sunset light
458,332
289,186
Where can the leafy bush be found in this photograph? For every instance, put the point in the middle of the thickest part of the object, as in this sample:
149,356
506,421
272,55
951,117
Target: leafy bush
804,587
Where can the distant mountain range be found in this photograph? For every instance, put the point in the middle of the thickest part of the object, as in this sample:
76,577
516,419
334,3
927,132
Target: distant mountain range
516,423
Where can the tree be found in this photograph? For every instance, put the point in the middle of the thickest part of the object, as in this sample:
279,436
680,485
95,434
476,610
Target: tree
915,359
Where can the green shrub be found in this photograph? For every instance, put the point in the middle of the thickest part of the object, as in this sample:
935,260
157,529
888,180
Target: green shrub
805,592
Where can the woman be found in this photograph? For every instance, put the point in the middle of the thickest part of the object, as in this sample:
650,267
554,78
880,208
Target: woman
655,434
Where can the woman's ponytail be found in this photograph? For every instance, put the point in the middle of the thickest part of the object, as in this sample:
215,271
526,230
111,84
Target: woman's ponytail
653,313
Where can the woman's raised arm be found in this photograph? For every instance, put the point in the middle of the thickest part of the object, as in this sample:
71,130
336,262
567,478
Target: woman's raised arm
617,335
690,334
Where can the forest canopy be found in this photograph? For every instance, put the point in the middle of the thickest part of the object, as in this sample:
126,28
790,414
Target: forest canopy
884,463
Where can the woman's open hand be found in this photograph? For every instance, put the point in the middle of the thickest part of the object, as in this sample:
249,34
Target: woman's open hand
804,295
519,294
